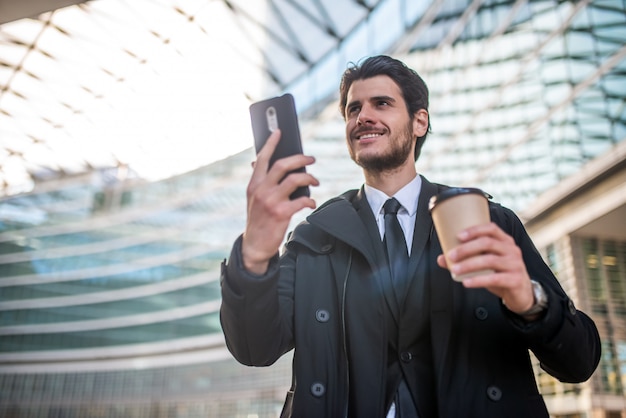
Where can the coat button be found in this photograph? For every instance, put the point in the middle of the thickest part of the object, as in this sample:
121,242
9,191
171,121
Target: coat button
494,393
326,248
481,313
317,389
322,315
406,357
571,307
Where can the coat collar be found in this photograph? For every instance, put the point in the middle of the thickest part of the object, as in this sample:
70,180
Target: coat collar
337,218
344,217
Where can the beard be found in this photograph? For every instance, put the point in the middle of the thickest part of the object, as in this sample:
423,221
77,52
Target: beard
401,146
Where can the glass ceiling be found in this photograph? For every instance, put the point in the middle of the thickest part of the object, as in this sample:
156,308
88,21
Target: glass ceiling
161,86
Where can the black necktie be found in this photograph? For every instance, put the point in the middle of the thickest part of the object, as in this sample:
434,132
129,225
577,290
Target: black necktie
398,257
395,244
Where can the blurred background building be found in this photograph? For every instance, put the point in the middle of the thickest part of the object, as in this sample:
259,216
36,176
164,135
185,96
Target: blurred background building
125,153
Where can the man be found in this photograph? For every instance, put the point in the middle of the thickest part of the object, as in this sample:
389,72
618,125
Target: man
436,347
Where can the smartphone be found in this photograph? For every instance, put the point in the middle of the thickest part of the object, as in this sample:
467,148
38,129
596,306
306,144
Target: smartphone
278,113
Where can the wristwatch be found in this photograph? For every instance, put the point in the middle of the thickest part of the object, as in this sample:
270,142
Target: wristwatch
541,300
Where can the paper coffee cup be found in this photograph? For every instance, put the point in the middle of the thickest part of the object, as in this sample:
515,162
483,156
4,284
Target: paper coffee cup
454,210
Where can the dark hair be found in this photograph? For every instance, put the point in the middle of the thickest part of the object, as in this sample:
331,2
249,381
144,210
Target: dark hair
414,90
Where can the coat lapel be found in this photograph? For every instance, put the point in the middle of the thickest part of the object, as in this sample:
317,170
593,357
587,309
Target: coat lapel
422,234
384,278
423,225
361,233
444,294
337,218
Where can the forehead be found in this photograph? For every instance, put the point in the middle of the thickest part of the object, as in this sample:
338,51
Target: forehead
377,86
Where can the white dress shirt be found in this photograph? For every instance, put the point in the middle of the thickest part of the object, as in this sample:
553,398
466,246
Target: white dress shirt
408,197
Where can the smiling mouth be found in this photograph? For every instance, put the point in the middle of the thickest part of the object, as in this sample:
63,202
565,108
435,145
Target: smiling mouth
368,136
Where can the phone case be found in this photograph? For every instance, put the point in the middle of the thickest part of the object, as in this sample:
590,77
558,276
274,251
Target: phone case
278,113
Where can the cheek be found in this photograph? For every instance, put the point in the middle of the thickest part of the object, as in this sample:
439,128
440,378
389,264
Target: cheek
350,124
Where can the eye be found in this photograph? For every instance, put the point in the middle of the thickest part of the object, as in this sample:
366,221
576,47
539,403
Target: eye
353,109
383,103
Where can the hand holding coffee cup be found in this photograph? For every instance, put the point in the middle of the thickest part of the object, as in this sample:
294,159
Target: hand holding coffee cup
455,210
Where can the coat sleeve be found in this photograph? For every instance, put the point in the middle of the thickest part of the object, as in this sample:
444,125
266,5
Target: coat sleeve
256,310
565,340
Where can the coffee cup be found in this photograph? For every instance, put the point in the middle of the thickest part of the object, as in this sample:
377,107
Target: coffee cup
454,210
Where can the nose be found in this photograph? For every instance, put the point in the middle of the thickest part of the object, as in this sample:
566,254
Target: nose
365,116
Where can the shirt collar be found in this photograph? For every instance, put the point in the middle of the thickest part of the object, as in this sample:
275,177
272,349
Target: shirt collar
408,196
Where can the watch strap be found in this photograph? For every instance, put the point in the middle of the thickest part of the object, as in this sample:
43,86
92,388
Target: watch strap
540,298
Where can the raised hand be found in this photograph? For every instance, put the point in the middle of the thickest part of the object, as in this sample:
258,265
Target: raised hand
269,207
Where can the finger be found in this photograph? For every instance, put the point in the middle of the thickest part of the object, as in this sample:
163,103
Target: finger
484,280
289,184
261,165
483,239
509,262
490,281
270,191
475,263
489,229
441,261
275,214
264,155
472,248
300,203
488,251
286,165
497,282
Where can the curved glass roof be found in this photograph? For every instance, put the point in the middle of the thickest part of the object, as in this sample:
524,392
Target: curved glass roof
162,86
155,88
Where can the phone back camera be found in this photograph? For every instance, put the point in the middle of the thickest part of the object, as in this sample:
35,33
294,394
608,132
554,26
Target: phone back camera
272,119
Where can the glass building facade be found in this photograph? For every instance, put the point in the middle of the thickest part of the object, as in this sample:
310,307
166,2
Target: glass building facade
603,267
110,296
109,285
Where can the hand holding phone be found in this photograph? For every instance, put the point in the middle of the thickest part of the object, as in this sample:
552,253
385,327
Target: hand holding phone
278,113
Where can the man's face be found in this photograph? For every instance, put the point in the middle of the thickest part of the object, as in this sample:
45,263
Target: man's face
380,133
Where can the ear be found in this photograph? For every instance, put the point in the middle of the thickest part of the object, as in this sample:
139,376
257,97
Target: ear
420,123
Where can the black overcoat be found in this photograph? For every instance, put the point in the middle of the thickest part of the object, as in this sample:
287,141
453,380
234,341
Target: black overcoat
326,297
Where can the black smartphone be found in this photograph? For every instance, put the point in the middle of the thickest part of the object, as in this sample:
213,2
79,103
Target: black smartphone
278,113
